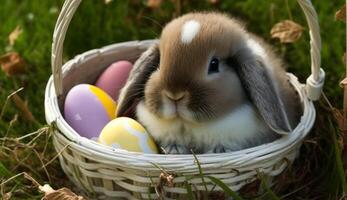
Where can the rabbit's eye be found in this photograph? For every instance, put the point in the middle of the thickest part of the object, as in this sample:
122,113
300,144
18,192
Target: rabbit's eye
214,66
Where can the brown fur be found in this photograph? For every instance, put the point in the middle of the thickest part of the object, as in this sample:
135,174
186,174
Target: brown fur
189,73
172,68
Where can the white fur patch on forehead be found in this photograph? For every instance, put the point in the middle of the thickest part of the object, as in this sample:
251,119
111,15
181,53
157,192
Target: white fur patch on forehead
189,30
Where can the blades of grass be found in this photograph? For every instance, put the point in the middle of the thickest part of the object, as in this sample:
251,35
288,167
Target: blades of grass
7,99
57,155
225,188
339,163
10,179
212,189
288,10
269,194
298,189
189,177
157,166
15,118
200,171
40,157
37,132
149,193
153,185
190,195
4,172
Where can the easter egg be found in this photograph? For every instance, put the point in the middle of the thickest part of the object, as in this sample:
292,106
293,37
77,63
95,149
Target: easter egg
126,133
114,78
87,109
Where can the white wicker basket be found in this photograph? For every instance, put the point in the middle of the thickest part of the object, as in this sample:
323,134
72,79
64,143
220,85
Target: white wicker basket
110,173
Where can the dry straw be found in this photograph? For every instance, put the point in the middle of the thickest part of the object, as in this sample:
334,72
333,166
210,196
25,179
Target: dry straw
107,172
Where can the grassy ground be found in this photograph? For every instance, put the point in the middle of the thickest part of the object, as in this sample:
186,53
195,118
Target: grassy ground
317,174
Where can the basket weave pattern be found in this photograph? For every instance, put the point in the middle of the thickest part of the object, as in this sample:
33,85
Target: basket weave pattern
108,172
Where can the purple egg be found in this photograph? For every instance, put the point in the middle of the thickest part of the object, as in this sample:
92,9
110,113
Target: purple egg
88,109
114,78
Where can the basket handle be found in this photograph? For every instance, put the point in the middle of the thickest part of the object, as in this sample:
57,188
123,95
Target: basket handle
63,21
314,82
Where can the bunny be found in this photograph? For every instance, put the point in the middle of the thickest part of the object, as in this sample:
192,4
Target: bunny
209,86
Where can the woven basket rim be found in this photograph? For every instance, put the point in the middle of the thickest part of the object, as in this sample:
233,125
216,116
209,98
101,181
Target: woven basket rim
91,146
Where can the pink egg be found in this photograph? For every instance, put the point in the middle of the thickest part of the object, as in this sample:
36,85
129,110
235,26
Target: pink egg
114,78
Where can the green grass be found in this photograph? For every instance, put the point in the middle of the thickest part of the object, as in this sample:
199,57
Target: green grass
317,173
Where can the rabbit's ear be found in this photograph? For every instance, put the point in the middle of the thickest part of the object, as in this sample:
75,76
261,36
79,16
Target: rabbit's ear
133,91
261,89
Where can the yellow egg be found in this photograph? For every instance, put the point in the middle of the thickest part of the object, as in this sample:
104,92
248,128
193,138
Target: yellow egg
126,133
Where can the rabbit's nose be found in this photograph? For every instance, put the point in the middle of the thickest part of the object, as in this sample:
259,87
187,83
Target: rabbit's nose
175,96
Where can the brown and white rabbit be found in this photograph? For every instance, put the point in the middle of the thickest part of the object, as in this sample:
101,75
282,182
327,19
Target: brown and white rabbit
210,86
